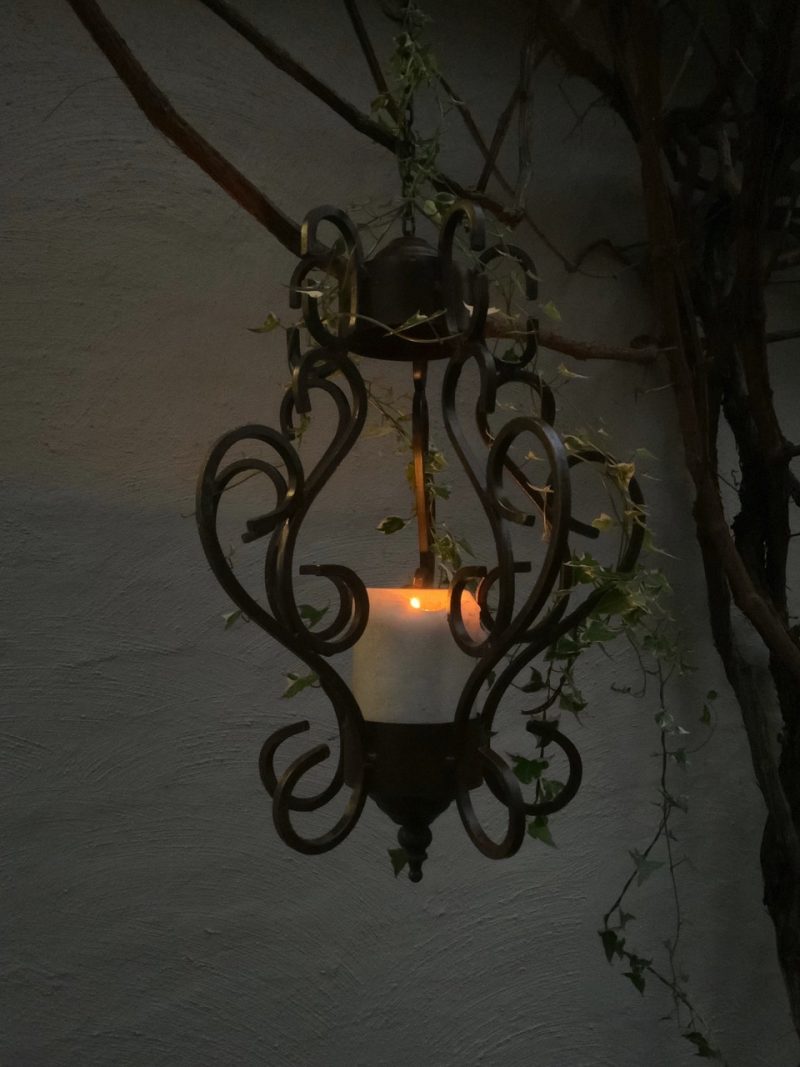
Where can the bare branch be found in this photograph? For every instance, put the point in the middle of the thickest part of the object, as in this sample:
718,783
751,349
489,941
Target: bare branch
500,130
372,60
589,350
281,59
525,163
578,59
161,114
782,335
465,113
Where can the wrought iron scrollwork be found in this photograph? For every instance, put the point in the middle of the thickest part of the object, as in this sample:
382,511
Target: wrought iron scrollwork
514,628
516,633
294,494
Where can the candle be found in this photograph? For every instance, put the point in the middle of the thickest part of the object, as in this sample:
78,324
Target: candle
406,666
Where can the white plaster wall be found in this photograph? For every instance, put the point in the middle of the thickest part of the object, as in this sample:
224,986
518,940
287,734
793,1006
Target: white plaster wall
150,914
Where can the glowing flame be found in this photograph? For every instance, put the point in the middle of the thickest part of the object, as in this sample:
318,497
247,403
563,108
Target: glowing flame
415,602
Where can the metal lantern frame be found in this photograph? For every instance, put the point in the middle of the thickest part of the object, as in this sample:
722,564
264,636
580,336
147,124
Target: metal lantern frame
412,771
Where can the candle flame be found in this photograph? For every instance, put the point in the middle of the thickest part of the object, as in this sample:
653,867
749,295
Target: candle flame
415,602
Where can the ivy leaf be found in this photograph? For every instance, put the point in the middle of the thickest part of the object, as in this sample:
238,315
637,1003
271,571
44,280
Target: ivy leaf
596,632
571,701
311,614
644,866
612,944
270,323
551,311
297,683
615,601
565,372
540,831
399,858
603,521
535,683
231,617
529,769
391,524
700,1042
644,453
637,978
621,473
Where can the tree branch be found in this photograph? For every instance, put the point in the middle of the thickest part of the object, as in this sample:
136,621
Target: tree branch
161,114
589,350
525,163
281,59
375,68
781,335
500,130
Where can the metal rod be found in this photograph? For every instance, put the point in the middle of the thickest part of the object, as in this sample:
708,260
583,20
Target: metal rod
424,576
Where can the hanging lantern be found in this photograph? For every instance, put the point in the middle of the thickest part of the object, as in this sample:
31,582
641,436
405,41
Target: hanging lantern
429,665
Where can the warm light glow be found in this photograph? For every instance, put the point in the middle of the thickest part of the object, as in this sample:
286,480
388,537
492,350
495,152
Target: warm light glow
415,602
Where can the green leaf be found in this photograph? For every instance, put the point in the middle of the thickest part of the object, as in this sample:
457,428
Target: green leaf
596,632
399,858
231,617
551,311
621,474
430,207
270,323
391,524
527,770
462,542
624,918
297,683
615,601
540,831
311,614
611,943
644,453
535,683
571,700
644,866
550,788
704,1050
565,372
603,522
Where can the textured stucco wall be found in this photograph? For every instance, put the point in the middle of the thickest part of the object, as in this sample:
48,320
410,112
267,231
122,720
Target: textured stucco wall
150,915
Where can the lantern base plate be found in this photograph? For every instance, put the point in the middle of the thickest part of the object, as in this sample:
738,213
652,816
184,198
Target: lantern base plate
412,773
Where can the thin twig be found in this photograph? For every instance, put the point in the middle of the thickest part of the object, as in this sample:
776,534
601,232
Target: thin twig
500,130
371,57
525,163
